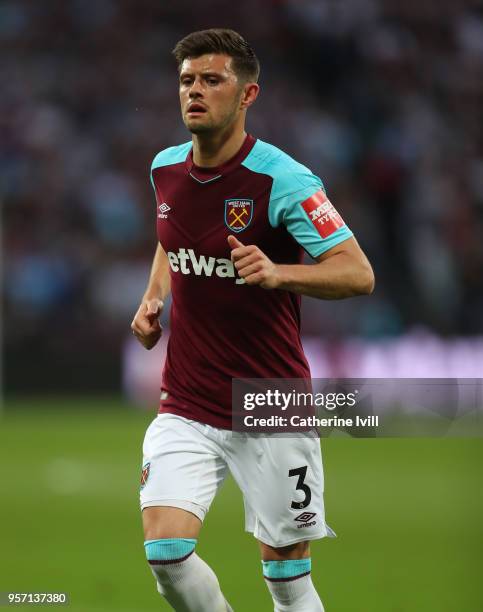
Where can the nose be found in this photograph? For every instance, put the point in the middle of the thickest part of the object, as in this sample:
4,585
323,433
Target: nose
195,89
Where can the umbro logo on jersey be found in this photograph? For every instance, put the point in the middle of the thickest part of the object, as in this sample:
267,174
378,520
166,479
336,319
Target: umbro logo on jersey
162,210
238,213
305,519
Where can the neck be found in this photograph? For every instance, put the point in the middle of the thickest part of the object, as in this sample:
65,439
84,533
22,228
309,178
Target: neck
210,150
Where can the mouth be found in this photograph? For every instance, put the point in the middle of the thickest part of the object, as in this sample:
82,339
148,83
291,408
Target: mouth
195,109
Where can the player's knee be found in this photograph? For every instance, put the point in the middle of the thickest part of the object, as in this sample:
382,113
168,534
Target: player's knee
165,522
299,550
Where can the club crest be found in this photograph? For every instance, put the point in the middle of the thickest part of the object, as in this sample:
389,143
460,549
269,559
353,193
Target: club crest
238,214
145,474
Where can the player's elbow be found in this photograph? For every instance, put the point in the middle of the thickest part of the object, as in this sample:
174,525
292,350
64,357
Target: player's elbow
365,279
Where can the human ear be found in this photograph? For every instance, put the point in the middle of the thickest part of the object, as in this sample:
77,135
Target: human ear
249,94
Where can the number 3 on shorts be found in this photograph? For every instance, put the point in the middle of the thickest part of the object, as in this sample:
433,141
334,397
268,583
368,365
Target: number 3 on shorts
301,472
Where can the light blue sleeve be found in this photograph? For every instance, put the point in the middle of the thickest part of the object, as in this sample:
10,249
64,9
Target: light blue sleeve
293,183
287,209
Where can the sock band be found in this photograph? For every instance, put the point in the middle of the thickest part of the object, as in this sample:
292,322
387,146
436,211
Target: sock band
170,550
283,571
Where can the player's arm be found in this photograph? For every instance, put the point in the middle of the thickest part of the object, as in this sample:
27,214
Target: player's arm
145,325
341,269
340,272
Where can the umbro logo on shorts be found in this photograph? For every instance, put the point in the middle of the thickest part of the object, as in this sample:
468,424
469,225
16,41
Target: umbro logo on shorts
306,519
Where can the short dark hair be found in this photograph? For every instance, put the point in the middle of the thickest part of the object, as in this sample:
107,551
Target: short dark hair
223,41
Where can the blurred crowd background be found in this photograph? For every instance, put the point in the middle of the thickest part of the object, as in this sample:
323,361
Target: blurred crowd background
381,98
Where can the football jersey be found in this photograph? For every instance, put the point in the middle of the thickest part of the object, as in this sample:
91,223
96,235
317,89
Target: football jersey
220,327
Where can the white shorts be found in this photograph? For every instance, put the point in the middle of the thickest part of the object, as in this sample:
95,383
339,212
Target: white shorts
281,478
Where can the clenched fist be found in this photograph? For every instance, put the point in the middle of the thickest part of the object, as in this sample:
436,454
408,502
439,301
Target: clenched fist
253,265
145,325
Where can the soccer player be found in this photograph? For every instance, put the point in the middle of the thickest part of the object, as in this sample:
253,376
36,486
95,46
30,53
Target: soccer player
234,216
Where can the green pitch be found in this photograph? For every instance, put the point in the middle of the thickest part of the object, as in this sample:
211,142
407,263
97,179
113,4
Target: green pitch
408,514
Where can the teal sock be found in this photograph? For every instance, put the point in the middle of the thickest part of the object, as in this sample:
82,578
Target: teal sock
290,586
183,579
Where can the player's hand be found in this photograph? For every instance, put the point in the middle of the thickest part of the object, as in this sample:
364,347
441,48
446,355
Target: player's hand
253,265
145,325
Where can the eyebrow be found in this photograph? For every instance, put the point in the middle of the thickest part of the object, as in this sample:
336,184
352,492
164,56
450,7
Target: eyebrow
204,73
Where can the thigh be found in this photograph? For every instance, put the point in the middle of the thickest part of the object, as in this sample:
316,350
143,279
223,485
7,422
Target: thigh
182,469
282,482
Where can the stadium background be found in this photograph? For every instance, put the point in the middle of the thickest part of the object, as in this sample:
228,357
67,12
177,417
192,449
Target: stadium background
382,99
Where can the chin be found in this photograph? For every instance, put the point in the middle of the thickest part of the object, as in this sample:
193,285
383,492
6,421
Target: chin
199,129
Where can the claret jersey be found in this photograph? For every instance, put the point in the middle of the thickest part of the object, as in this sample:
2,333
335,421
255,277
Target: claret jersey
222,328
